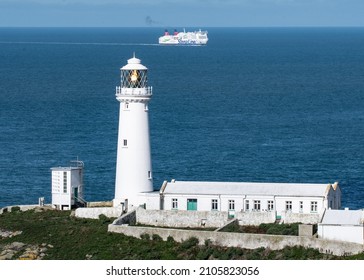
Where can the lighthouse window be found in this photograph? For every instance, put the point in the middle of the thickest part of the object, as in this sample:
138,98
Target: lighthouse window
126,105
125,143
149,174
134,78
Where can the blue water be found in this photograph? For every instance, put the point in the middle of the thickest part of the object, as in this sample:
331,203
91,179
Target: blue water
255,104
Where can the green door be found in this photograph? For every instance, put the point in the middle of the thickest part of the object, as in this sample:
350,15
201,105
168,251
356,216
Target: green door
192,204
75,193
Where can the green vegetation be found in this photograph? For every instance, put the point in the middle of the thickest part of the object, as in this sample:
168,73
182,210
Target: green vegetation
74,238
276,229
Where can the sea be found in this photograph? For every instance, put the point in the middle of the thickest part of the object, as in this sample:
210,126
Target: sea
253,105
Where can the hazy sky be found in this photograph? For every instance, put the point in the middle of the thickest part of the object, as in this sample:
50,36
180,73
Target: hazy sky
181,13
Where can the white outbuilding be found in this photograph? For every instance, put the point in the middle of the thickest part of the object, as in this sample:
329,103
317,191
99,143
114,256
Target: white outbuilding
342,225
67,186
284,199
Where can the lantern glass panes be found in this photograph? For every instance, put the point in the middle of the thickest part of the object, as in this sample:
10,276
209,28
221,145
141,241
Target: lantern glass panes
134,78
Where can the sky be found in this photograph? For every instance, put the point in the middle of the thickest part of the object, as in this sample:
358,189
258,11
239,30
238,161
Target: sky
181,13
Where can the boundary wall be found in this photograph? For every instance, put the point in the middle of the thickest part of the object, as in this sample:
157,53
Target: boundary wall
196,219
243,240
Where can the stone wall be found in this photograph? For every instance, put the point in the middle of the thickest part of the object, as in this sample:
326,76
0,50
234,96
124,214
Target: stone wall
290,218
126,219
94,212
100,204
305,230
255,218
173,218
244,240
24,207
196,219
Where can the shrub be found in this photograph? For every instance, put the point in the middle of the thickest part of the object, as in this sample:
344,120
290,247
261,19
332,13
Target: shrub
104,219
189,243
280,229
208,242
15,209
170,239
145,236
156,237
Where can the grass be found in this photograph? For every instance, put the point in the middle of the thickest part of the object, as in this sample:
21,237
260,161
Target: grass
77,239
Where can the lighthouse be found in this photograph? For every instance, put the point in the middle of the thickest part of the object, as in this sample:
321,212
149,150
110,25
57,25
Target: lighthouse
134,164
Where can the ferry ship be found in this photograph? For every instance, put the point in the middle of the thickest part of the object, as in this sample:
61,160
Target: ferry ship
184,38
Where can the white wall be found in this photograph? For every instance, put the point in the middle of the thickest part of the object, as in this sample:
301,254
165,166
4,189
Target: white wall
134,159
74,179
59,197
342,233
152,201
204,203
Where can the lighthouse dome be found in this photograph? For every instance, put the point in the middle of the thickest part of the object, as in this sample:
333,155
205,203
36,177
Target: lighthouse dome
134,64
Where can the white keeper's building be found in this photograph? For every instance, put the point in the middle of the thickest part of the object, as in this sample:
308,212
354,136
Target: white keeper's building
235,197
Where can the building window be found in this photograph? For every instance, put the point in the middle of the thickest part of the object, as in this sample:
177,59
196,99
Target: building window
126,106
64,182
270,205
246,205
125,142
231,205
257,205
288,205
214,204
301,206
149,174
145,107
313,206
174,203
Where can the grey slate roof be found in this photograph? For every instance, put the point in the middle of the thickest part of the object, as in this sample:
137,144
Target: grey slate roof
343,217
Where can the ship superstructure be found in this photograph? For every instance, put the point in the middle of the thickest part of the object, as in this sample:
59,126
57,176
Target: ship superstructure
184,38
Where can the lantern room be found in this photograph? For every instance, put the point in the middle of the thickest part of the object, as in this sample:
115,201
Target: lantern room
134,74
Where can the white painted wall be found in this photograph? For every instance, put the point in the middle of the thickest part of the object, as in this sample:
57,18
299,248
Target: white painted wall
59,196
204,203
134,159
346,233
74,180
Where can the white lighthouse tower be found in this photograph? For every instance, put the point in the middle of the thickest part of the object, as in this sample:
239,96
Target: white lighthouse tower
134,164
